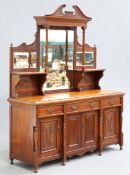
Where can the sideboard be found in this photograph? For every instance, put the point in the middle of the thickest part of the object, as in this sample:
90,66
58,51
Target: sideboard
57,126
57,107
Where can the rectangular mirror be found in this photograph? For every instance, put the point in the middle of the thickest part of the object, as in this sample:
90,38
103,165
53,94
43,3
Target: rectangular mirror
33,60
20,60
24,60
60,49
89,59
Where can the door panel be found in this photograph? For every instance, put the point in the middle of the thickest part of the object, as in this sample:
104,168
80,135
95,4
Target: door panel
111,124
74,134
50,135
90,128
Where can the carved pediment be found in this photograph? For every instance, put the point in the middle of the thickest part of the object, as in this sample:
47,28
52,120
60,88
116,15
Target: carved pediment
77,13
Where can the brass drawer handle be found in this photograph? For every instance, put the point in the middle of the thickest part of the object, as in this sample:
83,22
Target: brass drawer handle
93,105
74,107
50,110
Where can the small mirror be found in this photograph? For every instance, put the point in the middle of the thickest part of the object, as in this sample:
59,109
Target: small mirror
24,60
89,58
33,59
21,60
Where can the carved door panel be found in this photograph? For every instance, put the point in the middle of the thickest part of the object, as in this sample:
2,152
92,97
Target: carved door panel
74,132
50,136
111,118
90,128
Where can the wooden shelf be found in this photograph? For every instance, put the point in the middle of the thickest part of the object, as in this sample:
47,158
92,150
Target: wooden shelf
28,73
89,70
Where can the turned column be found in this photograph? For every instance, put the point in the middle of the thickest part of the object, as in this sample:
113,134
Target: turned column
66,51
83,47
46,58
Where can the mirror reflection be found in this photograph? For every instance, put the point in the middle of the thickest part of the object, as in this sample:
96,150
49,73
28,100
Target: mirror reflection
24,60
33,59
42,48
60,49
89,58
21,60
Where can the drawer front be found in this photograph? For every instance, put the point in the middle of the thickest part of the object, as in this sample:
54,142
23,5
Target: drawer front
82,106
50,110
111,101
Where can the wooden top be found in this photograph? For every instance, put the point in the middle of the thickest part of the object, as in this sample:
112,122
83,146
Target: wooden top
67,18
27,73
64,97
89,70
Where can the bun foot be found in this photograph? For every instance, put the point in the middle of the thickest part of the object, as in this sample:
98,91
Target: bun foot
63,163
121,147
35,170
11,161
100,154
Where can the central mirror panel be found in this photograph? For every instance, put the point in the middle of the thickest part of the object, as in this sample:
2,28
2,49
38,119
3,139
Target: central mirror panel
60,57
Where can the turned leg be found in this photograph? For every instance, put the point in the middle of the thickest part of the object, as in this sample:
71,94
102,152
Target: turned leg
11,161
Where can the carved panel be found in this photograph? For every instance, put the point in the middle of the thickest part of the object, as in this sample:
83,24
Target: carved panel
90,128
50,136
111,123
27,85
74,131
86,83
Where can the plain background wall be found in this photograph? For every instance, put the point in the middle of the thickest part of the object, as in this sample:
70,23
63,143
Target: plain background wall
109,30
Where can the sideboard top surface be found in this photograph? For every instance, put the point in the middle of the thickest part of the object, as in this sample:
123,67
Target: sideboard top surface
65,97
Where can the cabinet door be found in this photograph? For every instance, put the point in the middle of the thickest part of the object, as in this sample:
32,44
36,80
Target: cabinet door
50,136
74,134
90,129
111,125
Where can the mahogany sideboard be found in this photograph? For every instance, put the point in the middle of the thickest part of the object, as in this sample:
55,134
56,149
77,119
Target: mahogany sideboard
57,126
57,107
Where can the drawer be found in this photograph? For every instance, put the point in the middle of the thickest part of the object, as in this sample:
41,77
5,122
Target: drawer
111,101
49,110
82,106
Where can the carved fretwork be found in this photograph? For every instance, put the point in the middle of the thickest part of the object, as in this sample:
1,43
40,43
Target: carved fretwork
64,18
26,47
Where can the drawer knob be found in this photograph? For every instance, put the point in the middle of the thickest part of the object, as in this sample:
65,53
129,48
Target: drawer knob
74,107
93,104
50,110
